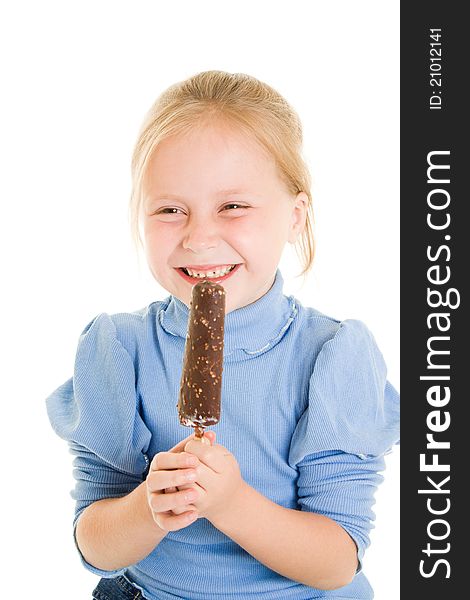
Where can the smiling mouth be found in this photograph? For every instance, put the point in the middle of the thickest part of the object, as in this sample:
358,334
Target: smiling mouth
216,273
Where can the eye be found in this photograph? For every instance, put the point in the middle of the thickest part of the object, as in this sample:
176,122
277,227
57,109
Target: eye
235,205
168,211
168,214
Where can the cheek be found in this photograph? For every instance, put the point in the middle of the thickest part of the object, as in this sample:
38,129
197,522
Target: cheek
243,237
159,240
157,249
259,243
271,230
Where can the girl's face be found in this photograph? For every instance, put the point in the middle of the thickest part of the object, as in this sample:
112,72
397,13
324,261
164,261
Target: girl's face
212,201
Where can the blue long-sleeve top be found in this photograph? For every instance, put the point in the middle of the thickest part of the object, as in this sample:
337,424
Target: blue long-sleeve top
306,410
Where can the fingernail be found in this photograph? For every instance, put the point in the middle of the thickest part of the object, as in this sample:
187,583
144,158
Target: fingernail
190,476
190,496
192,517
191,460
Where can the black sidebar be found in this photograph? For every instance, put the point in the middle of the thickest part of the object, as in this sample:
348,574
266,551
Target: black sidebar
435,268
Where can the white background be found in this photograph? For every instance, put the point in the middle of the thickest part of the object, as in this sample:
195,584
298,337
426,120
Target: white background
77,79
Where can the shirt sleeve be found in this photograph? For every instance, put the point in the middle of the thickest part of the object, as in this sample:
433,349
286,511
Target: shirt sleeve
351,421
96,412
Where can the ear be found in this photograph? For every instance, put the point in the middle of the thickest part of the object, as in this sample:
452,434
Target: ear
299,217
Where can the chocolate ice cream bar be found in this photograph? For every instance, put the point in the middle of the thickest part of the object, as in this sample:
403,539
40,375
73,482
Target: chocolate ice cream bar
201,379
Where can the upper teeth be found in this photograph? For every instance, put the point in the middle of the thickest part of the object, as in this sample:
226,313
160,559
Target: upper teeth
214,273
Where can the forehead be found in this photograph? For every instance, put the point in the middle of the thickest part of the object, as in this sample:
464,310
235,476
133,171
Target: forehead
210,157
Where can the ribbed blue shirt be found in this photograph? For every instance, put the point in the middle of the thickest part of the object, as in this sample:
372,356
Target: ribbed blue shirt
306,410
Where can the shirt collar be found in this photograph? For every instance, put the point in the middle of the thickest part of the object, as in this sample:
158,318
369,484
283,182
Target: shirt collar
254,328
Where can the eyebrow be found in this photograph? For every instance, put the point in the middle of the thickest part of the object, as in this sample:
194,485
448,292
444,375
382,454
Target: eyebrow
234,192
221,193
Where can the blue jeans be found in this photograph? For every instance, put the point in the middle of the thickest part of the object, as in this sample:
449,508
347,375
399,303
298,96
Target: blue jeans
117,588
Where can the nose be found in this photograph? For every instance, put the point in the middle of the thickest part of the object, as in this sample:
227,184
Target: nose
200,236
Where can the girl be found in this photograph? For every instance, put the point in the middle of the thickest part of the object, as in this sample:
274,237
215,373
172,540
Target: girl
279,505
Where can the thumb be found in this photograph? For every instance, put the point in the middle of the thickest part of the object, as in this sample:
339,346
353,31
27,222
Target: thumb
210,435
180,445
207,439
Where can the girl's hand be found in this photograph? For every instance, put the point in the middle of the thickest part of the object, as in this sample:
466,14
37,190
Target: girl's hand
172,509
219,481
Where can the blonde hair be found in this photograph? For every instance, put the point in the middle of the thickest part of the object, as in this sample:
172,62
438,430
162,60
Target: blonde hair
239,99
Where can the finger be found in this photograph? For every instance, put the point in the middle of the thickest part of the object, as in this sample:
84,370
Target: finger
164,502
183,509
216,457
180,511
169,460
210,435
180,445
160,480
205,478
171,522
176,511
